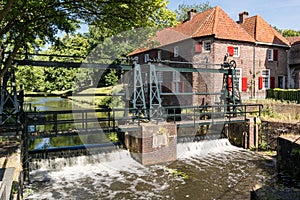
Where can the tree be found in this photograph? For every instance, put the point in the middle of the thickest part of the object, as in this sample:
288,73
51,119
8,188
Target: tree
290,33
184,8
22,21
287,32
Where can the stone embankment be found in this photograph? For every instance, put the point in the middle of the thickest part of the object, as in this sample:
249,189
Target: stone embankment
10,170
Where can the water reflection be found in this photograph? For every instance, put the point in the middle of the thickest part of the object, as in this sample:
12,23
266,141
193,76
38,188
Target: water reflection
49,103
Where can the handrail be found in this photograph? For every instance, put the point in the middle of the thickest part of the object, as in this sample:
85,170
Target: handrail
111,118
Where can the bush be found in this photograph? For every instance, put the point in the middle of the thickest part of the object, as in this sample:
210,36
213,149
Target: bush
284,95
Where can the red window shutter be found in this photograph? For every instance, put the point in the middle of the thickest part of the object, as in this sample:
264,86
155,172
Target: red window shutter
198,47
260,83
230,50
172,87
182,86
156,54
229,82
272,82
244,84
275,58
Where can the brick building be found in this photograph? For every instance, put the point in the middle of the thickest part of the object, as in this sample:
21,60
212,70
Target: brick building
294,63
203,39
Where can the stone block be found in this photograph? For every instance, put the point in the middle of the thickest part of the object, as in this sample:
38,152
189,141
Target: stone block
153,143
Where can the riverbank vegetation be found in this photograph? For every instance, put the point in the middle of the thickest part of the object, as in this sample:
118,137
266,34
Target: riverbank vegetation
278,110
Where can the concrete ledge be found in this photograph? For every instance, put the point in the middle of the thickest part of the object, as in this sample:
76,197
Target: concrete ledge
6,180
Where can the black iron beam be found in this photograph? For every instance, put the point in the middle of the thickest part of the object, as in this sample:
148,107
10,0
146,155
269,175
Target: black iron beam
72,64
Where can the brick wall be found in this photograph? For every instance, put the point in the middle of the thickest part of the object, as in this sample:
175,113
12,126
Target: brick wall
209,82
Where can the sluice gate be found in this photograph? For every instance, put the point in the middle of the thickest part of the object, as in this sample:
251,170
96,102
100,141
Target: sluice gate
149,125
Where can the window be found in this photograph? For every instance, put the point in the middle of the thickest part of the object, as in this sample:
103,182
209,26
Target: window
176,85
236,51
160,77
233,51
136,59
146,58
159,55
207,46
265,79
176,51
270,54
281,82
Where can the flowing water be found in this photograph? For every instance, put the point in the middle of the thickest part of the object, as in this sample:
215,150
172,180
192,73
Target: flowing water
204,170
209,169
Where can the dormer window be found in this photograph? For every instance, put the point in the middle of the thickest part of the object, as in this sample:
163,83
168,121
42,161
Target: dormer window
176,51
207,46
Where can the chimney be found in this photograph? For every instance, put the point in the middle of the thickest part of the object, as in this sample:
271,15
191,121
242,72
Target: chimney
191,14
242,17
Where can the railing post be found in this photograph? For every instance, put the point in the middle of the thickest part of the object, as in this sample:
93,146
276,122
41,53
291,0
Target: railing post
86,119
82,120
25,157
55,123
108,113
114,119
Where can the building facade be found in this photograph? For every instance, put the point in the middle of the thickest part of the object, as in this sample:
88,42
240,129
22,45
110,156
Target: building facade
204,40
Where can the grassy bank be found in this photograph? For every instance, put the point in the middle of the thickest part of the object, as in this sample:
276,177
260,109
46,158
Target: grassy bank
275,110
99,97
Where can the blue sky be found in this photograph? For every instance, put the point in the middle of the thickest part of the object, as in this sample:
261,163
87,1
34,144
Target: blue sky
284,14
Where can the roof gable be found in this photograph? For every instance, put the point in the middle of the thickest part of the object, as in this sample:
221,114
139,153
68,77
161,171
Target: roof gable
214,22
261,31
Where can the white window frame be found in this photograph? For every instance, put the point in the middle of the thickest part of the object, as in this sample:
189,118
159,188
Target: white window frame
136,59
176,51
205,47
159,55
239,76
265,79
176,81
160,79
283,81
236,51
270,54
146,57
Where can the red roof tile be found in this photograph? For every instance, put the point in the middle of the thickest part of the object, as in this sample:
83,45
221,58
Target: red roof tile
293,40
261,31
214,22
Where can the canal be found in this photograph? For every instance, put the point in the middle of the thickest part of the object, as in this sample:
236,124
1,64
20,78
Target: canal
208,169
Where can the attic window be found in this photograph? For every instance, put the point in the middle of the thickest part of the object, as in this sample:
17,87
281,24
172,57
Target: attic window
207,46
176,51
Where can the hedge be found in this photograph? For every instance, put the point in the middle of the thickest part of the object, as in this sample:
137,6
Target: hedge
284,94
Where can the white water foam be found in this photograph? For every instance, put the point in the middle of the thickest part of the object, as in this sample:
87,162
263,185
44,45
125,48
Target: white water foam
204,148
110,175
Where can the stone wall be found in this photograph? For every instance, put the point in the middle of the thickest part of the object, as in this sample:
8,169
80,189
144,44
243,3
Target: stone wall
288,156
271,130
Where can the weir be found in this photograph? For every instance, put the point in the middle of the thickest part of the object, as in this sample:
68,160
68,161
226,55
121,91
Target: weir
156,115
